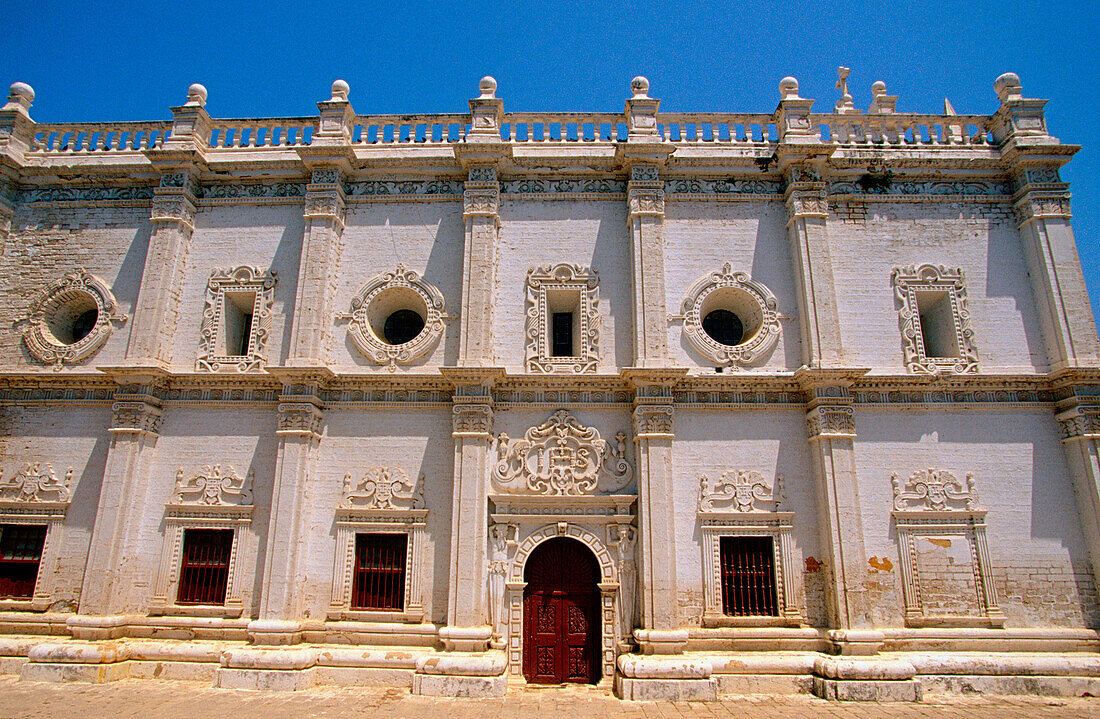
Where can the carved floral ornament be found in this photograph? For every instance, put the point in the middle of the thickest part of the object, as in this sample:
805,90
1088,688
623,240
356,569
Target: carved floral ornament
48,326
934,490
913,280
215,485
752,302
545,285
561,457
383,488
242,280
741,491
36,482
388,292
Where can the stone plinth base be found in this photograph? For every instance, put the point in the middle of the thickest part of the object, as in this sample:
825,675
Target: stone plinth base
457,674
272,632
76,662
436,685
275,680
875,679
65,672
675,678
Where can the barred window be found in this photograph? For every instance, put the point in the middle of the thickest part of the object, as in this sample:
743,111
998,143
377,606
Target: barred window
20,554
748,576
378,581
205,569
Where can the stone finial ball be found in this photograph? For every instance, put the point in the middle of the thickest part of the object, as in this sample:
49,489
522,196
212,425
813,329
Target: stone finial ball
340,89
788,87
639,85
196,94
878,88
21,89
487,86
1009,80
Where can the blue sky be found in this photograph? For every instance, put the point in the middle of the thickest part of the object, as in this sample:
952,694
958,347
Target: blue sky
132,60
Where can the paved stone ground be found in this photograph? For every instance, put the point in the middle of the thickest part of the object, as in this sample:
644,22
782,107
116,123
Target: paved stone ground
190,700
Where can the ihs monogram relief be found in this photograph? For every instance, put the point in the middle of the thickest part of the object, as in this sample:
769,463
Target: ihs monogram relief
562,457
36,482
741,490
934,490
214,485
383,488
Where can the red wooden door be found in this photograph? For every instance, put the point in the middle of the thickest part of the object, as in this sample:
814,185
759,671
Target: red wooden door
561,610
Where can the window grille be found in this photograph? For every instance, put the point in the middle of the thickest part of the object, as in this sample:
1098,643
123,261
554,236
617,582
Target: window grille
379,578
748,576
20,554
205,568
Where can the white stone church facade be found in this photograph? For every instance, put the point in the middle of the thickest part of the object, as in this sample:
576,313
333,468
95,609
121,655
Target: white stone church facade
680,404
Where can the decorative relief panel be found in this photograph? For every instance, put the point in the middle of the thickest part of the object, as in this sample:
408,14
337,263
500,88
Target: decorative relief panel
744,503
942,536
383,488
752,302
388,292
48,329
36,482
561,457
932,280
213,486
577,288
244,280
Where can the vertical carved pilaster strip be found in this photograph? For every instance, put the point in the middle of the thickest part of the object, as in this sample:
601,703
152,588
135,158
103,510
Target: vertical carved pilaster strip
1079,420
480,208
645,219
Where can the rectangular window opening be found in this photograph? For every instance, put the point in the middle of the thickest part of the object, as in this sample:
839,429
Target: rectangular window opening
562,344
20,555
937,324
204,573
237,323
748,576
564,306
378,580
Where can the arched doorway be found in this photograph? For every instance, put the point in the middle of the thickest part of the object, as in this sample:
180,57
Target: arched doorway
561,614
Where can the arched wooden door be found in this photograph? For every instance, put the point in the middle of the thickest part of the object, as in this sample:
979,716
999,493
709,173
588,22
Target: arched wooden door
561,614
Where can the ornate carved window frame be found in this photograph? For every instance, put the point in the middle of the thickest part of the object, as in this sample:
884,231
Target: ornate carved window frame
743,503
222,282
216,497
725,287
35,495
383,501
76,285
376,290
542,284
908,282
934,502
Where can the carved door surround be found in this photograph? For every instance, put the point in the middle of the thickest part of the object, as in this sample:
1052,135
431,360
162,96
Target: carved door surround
561,633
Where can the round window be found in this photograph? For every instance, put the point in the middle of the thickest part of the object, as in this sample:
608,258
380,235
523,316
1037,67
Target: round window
402,326
724,327
72,318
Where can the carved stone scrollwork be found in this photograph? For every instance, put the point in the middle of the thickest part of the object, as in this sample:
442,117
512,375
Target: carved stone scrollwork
388,292
215,485
653,420
383,488
243,280
36,482
753,303
1031,207
562,457
740,490
472,419
928,279
1082,421
803,203
581,285
138,417
831,421
299,418
48,327
934,490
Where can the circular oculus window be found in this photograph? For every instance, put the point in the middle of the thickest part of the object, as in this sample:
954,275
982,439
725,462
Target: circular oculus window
71,319
730,318
396,318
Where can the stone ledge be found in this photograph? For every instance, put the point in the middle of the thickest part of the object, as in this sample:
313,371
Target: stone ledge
666,689
437,685
868,690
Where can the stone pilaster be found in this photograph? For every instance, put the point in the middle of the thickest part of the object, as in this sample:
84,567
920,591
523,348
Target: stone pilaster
1079,419
299,430
660,631
800,155
480,207
172,218
830,423
468,621
113,583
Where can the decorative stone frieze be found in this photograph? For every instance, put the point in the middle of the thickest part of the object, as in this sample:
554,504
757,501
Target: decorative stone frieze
945,567
562,457
388,292
237,281
934,280
403,189
48,329
576,290
752,302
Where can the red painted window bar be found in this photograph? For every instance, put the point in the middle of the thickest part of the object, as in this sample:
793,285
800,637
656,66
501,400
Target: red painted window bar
379,578
205,568
748,576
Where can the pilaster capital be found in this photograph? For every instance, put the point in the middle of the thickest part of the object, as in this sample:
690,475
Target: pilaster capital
472,418
653,419
135,417
302,419
805,194
325,198
1041,205
645,191
1079,421
831,421
174,197
481,191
